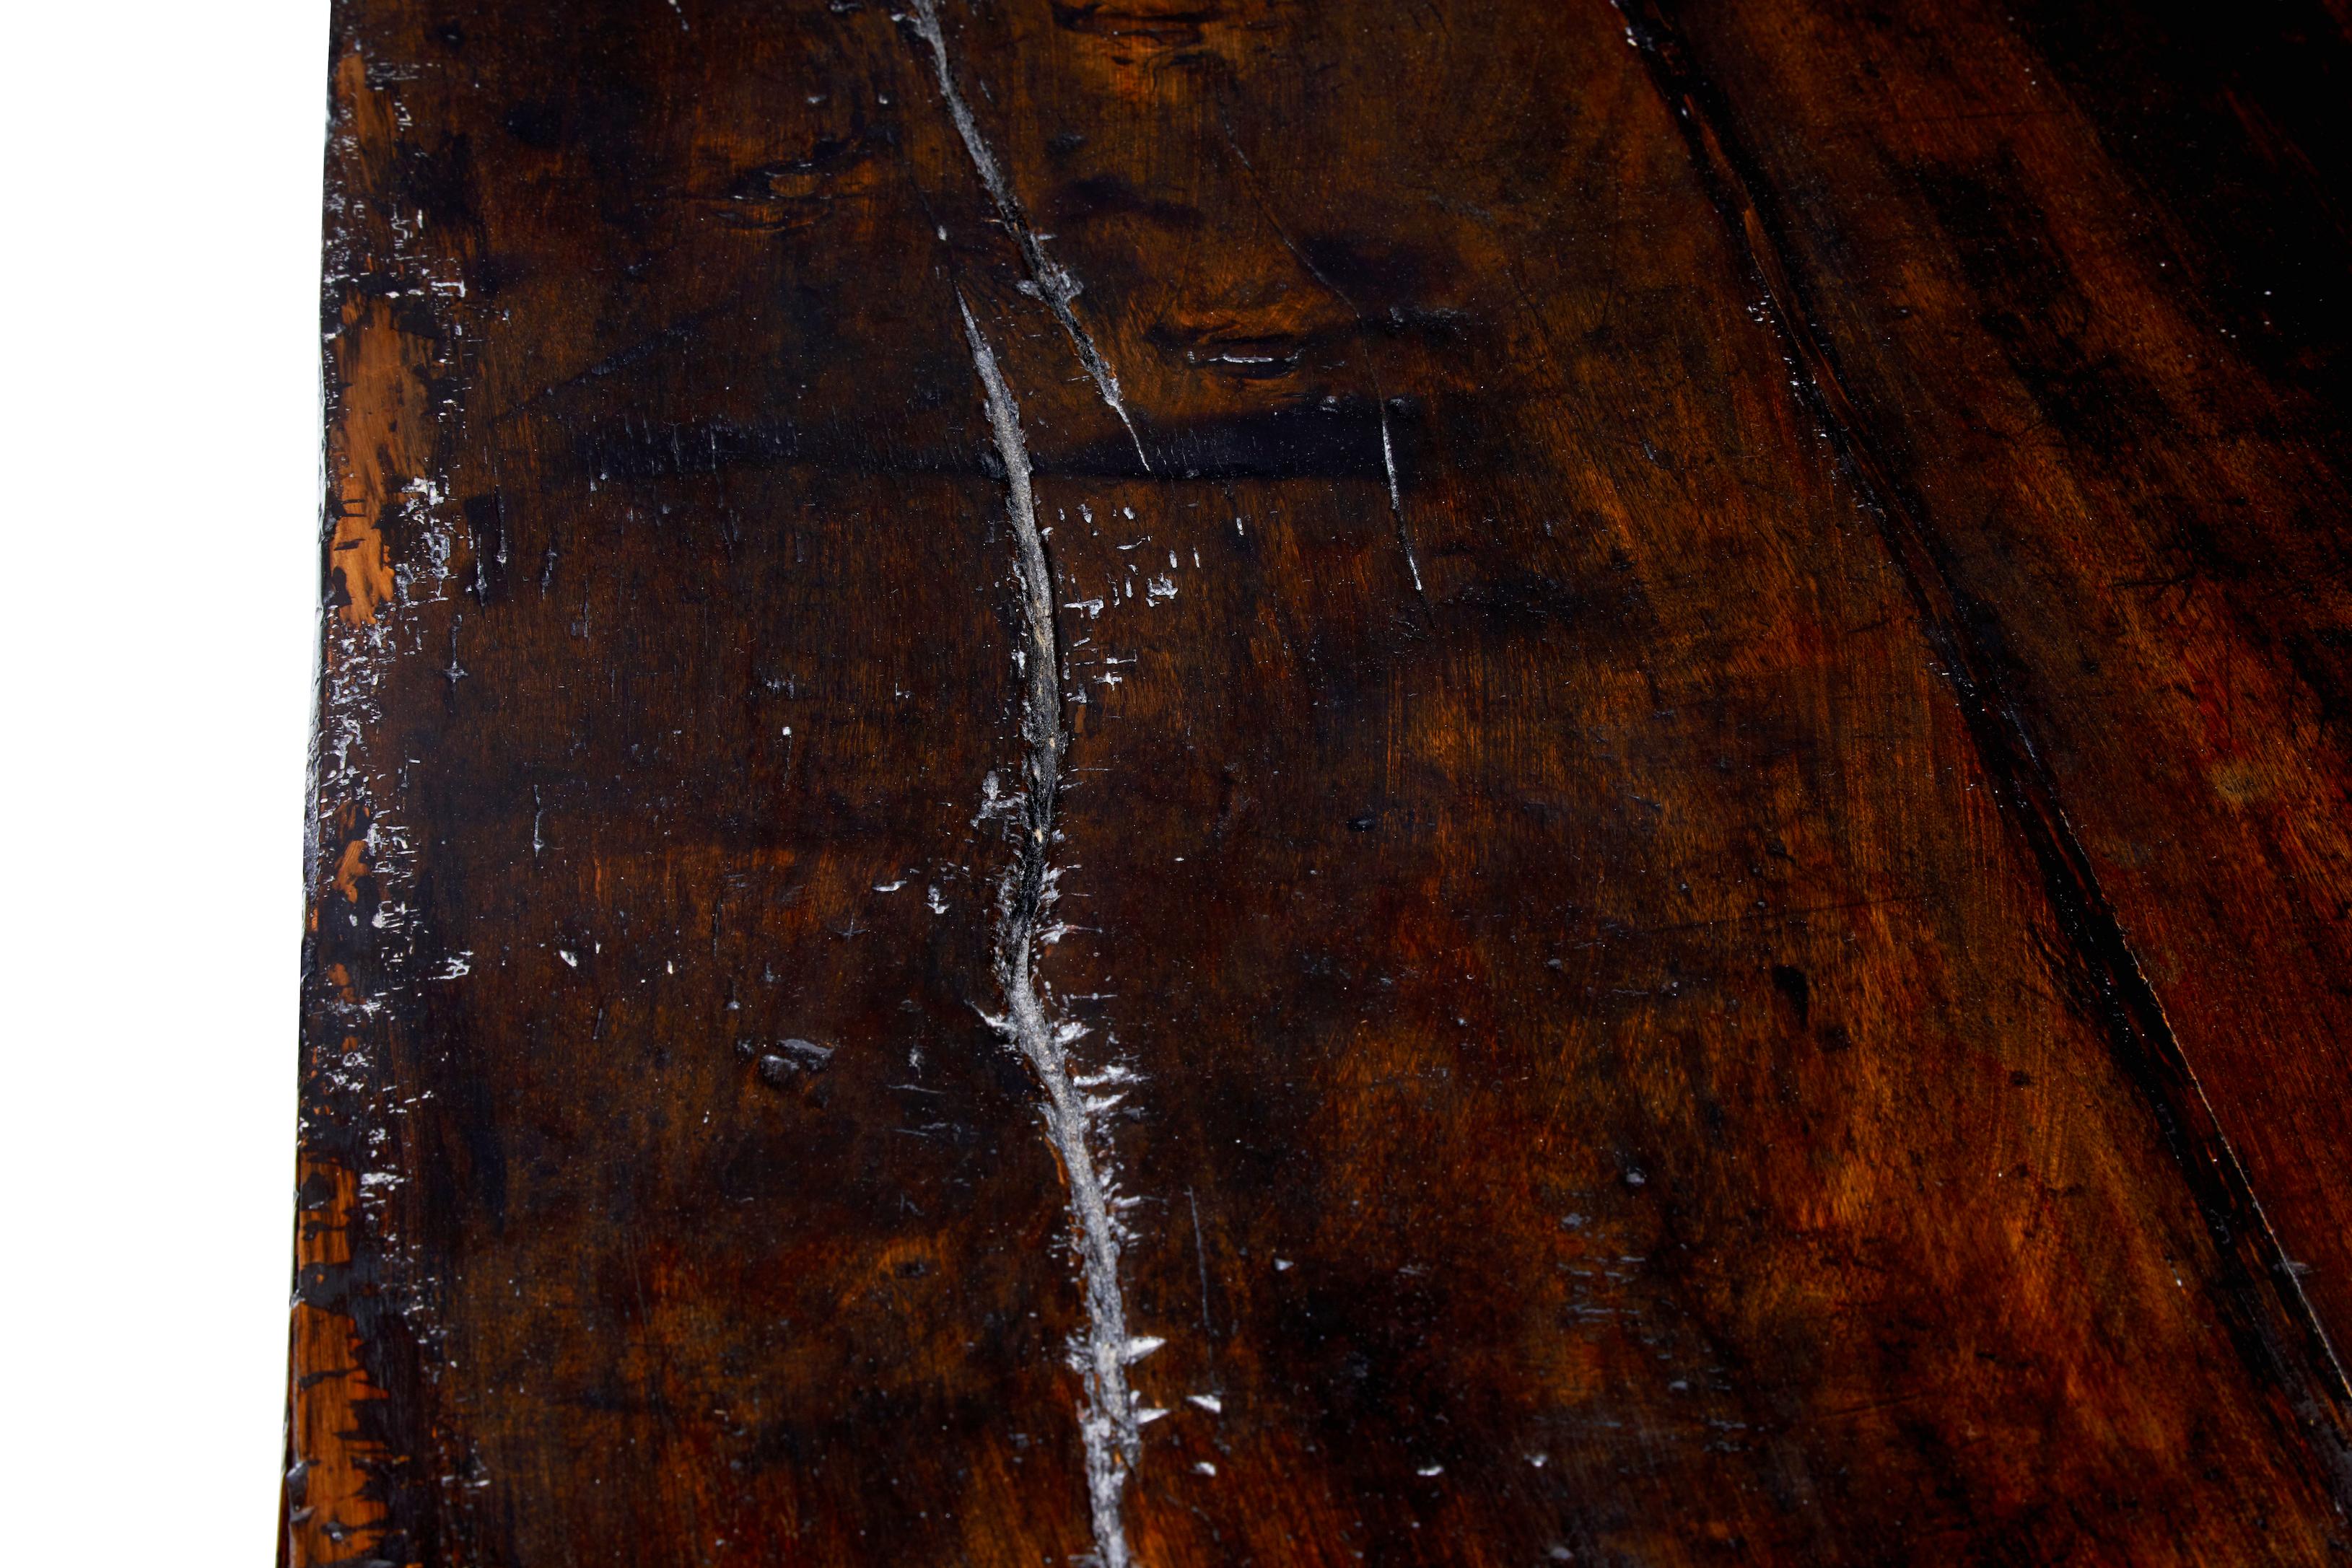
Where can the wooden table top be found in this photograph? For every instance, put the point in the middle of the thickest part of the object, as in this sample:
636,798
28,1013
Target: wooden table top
1220,781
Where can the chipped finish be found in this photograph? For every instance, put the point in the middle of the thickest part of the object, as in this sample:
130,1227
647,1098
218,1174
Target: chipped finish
331,1515
1663,763
361,1453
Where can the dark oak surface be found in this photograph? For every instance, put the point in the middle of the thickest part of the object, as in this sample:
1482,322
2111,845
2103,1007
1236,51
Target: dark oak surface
1702,663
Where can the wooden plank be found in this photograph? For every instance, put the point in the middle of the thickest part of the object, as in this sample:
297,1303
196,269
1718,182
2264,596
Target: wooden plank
2110,478
1227,782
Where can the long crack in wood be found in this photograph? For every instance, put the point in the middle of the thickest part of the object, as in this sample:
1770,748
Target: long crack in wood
1109,1422
1053,282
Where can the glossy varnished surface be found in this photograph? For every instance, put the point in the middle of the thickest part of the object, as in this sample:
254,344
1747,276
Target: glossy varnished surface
1703,784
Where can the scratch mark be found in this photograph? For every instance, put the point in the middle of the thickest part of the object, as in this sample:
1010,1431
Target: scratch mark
1364,338
1396,500
1108,1423
1052,281
1201,1252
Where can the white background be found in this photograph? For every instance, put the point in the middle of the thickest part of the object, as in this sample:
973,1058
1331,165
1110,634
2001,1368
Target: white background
160,172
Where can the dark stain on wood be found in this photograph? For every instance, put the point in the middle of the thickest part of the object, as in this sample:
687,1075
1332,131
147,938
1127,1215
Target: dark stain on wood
1682,851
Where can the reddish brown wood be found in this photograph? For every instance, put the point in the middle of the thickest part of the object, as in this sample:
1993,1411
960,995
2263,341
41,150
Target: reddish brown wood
1702,785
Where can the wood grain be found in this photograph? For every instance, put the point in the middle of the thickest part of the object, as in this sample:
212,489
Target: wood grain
1680,863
